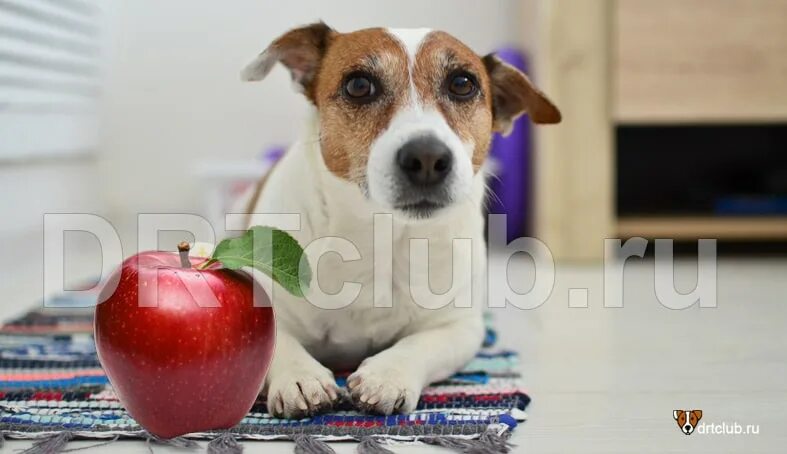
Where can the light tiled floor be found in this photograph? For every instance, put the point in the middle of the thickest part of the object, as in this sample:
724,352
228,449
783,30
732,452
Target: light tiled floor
606,380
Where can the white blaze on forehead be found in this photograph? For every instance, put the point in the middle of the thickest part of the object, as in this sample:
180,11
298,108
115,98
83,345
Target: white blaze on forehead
411,40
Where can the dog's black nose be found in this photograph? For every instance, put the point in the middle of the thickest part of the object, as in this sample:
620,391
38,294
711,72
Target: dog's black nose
687,427
425,161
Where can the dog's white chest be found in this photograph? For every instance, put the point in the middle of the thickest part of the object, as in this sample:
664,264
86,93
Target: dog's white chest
375,279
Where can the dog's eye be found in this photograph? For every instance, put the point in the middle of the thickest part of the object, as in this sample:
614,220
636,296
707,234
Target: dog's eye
462,86
360,88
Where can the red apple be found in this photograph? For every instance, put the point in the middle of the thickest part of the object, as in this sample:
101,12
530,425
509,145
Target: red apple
177,364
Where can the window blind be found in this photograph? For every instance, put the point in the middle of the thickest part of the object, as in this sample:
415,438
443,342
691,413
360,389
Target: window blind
50,59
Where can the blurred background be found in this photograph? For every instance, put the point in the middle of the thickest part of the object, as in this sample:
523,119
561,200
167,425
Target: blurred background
674,112
675,126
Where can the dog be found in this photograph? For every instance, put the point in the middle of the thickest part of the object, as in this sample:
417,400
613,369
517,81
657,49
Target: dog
687,419
403,120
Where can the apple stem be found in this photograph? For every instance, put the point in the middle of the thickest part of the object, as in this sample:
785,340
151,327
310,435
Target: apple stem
183,250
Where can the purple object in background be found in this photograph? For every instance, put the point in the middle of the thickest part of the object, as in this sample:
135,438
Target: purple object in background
511,162
272,154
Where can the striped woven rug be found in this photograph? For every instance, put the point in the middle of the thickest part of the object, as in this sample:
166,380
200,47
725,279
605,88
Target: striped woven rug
52,389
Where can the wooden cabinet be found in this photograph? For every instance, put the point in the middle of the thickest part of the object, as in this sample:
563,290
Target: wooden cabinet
613,62
700,60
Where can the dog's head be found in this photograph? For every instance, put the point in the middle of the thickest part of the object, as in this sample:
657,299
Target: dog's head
687,419
406,115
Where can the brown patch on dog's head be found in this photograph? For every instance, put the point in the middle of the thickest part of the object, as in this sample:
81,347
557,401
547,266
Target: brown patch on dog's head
321,60
347,127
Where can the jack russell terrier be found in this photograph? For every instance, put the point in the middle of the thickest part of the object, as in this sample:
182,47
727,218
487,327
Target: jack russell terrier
404,120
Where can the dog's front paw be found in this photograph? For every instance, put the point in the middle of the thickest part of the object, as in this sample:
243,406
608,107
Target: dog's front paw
301,391
375,388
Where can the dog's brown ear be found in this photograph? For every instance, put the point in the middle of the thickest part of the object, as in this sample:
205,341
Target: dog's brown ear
300,50
513,94
697,413
676,414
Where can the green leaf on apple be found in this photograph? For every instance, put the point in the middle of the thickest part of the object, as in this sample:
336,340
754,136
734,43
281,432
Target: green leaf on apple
269,250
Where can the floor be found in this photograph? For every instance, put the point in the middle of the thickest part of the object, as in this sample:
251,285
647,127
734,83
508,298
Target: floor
607,380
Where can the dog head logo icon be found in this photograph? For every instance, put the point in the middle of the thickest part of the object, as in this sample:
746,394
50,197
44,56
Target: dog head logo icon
687,419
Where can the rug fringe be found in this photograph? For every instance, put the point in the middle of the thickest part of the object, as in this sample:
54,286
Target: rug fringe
371,445
488,443
498,441
306,444
52,444
224,444
95,445
177,442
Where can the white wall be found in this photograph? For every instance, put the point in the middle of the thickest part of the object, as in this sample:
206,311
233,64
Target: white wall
173,94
